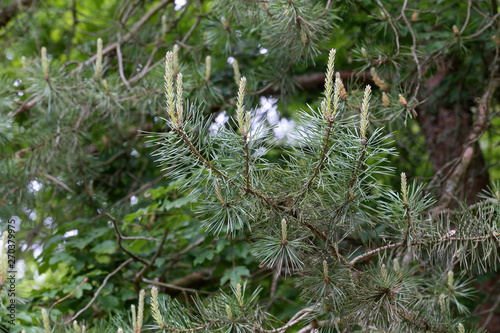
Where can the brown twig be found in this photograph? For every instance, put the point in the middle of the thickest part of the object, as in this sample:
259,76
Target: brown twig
413,50
58,182
111,47
148,266
85,279
125,263
320,234
119,241
6,195
173,286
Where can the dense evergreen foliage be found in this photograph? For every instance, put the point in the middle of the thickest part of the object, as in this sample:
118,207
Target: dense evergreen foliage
287,166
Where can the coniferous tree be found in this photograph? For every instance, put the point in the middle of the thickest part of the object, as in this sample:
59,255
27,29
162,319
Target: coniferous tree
147,189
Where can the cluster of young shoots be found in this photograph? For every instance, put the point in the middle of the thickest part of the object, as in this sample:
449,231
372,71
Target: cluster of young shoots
285,252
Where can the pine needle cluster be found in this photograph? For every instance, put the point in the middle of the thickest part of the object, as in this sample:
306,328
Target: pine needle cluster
305,212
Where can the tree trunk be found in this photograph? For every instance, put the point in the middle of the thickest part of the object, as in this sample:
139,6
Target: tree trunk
460,170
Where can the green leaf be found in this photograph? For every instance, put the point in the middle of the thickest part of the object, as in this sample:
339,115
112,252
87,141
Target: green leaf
106,247
234,275
202,256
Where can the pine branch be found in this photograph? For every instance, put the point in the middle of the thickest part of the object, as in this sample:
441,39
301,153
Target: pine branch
11,10
200,157
409,317
128,36
493,234
173,329
119,241
321,235
302,314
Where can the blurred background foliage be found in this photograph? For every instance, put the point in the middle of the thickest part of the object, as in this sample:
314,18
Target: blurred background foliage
77,174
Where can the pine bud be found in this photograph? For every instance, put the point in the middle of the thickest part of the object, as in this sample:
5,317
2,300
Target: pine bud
169,85
176,59
134,317
337,324
450,280
83,328
455,30
402,100
397,268
163,26
155,309
414,17
461,328
44,62
385,100
98,63
283,230
224,23
236,70
229,313
140,311
364,111
239,105
208,67
403,188
384,17
442,303
384,273
219,194
76,327
323,108
325,271
24,61
365,54
179,98
239,296
329,88
378,80
343,92
45,319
